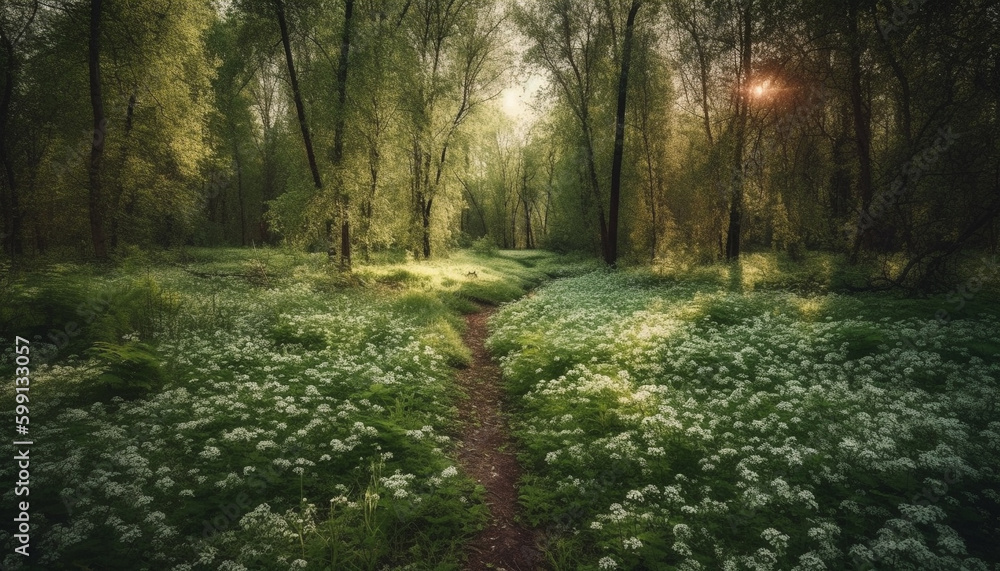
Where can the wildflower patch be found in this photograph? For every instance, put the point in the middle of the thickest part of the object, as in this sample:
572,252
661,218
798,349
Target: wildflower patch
246,425
684,426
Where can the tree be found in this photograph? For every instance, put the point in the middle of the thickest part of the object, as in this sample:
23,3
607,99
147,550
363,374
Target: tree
745,11
375,102
338,136
300,109
452,72
861,115
96,202
232,120
12,34
611,252
569,40
652,133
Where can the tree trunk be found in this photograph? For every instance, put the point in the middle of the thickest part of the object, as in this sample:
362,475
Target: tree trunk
345,244
423,195
338,138
367,205
9,197
862,126
528,242
651,187
475,205
426,216
903,103
703,79
733,245
735,223
550,172
611,253
300,109
366,213
594,183
95,200
647,154
513,224
119,192
239,193
425,213
331,246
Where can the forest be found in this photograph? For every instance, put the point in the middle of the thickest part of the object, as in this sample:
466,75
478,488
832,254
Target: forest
642,130
519,284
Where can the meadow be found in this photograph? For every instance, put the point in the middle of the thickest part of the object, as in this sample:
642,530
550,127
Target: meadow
728,419
254,409
238,409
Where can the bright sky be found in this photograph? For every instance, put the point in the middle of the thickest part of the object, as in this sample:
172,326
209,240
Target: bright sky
520,101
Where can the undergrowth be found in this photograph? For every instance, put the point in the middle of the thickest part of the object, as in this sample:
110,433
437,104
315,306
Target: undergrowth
249,409
712,423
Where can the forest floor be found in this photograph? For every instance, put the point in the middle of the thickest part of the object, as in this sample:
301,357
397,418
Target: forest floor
487,454
325,402
314,415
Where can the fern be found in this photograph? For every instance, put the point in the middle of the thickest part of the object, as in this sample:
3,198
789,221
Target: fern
132,368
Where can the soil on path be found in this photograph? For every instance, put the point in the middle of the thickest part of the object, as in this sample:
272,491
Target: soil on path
486,453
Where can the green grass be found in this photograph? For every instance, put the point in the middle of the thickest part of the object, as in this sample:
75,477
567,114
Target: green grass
668,422
228,408
234,408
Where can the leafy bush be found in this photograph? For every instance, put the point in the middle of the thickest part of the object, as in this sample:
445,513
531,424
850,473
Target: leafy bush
43,303
131,369
143,307
400,278
486,246
256,273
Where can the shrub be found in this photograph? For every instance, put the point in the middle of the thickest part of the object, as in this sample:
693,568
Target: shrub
132,369
140,306
486,246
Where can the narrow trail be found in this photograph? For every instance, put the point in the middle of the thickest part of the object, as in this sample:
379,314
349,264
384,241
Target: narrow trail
486,453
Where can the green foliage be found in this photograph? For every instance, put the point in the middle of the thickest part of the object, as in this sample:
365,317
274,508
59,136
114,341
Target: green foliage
485,246
460,304
490,292
726,310
443,328
345,538
41,306
132,369
139,306
288,333
860,339
425,307
256,272
399,278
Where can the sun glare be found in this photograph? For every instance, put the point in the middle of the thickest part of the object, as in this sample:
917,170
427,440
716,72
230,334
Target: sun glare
761,89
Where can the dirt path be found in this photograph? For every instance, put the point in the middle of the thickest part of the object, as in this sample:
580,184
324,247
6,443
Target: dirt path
486,453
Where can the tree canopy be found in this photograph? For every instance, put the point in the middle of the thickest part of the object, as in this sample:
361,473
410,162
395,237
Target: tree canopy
660,129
